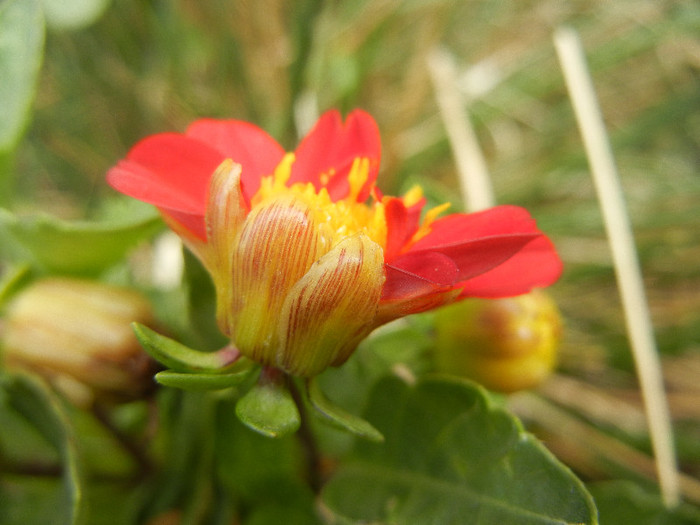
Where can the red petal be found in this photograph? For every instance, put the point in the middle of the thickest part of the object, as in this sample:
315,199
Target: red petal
167,170
401,224
248,145
185,224
417,275
536,265
397,227
493,221
172,172
422,285
477,256
498,252
331,147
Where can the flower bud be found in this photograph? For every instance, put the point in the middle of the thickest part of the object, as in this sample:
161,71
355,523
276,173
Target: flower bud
505,344
77,334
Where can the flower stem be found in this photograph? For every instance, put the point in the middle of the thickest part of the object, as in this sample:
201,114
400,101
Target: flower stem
307,439
52,470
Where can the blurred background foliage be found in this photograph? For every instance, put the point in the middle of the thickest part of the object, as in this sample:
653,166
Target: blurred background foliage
148,66
153,66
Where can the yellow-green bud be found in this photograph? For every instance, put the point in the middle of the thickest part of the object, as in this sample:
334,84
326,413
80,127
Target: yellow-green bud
77,334
505,344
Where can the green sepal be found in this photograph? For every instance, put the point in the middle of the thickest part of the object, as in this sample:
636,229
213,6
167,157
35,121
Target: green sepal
181,358
201,382
339,417
269,409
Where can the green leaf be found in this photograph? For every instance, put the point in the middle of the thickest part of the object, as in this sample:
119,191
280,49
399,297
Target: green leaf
250,464
625,502
193,381
266,475
268,408
21,52
451,457
182,358
74,14
79,247
62,504
294,514
338,416
31,499
112,502
12,281
186,441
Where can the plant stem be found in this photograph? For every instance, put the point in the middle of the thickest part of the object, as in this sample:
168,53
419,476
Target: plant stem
52,470
307,439
137,453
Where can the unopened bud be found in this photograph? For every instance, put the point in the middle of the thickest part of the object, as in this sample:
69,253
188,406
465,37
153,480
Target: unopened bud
77,334
505,344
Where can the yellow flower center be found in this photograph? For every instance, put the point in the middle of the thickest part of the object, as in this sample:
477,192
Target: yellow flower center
345,217
336,219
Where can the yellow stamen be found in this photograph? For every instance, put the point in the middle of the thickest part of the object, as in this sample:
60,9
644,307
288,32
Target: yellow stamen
413,196
425,227
337,219
277,183
357,177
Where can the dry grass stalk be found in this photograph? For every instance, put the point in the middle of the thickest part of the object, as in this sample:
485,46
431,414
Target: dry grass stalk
627,269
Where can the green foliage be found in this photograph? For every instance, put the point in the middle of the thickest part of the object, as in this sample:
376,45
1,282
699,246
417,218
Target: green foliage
12,281
338,416
268,408
182,358
131,68
266,475
27,405
74,247
202,382
74,14
185,449
450,457
201,299
21,52
624,502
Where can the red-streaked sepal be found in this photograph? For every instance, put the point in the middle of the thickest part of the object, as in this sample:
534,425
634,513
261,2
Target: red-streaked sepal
332,308
226,211
278,243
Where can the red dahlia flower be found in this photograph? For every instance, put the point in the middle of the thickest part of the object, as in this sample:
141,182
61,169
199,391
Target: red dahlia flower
307,256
